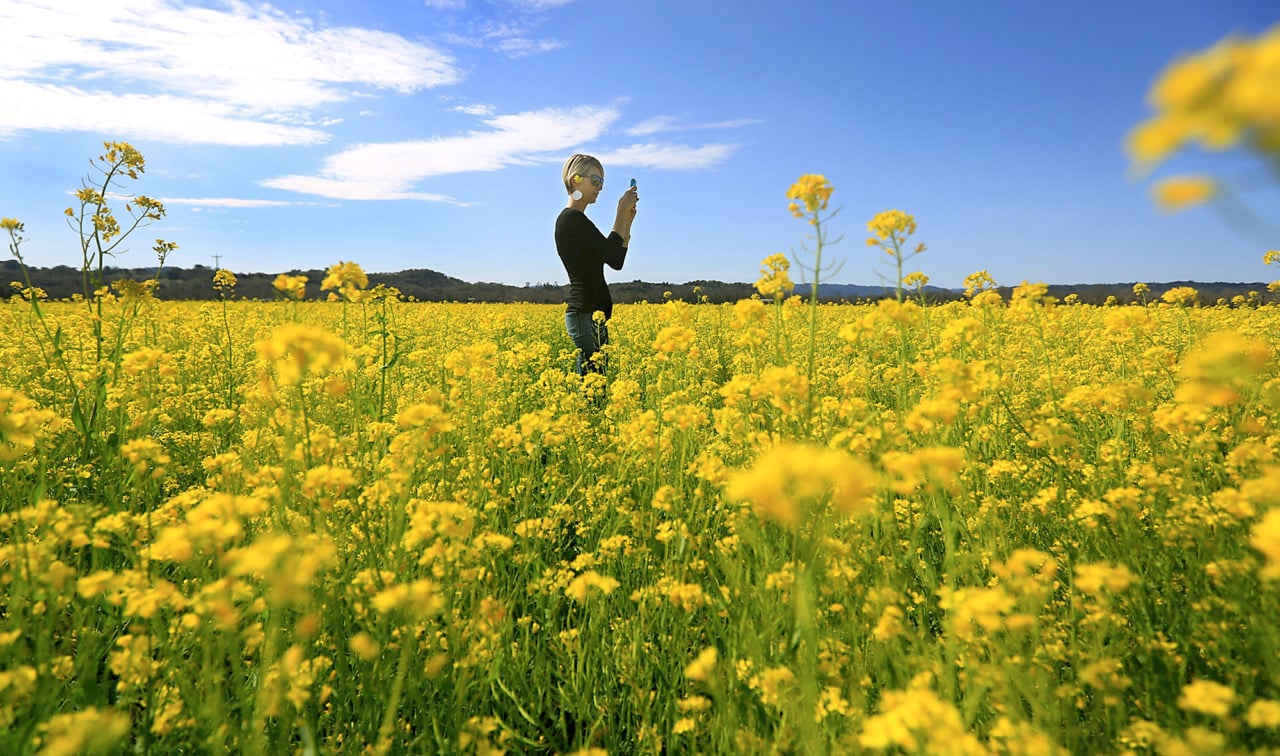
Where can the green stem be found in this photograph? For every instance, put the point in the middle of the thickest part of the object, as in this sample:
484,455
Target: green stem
230,358
397,689
813,320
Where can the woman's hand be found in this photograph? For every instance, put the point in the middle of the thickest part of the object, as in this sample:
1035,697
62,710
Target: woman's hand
626,213
627,203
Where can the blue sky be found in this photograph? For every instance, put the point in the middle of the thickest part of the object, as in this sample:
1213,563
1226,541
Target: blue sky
430,133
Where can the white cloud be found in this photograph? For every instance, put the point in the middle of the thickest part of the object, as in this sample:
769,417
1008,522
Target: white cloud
475,110
730,124
673,157
666,123
654,125
199,202
389,170
176,72
445,4
351,188
164,118
511,39
540,4
521,47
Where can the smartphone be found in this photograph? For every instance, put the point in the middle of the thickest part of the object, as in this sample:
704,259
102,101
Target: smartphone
633,183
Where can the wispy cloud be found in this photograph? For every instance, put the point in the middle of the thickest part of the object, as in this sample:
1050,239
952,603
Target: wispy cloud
173,71
527,5
539,4
666,123
198,202
654,125
514,38
474,109
390,170
159,117
522,47
672,157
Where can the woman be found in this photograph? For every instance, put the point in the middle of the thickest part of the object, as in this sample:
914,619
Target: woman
585,251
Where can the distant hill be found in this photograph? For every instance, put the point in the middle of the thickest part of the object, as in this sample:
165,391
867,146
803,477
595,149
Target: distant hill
196,283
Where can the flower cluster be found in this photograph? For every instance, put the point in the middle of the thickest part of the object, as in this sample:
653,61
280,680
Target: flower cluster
1216,99
810,194
888,225
774,280
224,280
291,287
348,279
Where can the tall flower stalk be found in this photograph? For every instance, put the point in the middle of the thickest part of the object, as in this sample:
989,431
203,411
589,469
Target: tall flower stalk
890,231
101,235
810,195
224,281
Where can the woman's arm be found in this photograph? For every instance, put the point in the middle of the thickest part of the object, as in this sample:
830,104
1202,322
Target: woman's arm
626,214
595,246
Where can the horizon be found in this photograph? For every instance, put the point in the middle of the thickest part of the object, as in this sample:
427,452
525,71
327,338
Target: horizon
688,282
431,135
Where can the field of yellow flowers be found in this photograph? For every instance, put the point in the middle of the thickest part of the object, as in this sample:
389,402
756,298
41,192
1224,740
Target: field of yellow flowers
1002,525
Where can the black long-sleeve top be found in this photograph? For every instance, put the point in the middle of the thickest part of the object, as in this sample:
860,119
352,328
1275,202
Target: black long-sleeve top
585,251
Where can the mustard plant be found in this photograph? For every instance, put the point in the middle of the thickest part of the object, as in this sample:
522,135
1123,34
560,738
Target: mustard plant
809,196
1215,99
890,231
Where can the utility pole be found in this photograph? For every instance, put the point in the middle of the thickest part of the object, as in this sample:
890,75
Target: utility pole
217,261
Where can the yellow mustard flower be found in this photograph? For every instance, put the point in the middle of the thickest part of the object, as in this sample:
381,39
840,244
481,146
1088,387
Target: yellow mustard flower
1265,537
581,585
787,480
1263,714
291,287
810,193
1181,192
703,665
1207,697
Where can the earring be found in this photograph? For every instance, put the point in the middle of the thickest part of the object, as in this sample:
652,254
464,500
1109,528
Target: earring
577,194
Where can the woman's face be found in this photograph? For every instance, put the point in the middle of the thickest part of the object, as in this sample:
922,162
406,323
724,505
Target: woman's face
592,183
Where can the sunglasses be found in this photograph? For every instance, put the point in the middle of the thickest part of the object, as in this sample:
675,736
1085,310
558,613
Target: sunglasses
596,181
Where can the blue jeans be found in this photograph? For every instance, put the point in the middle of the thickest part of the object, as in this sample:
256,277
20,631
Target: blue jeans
588,336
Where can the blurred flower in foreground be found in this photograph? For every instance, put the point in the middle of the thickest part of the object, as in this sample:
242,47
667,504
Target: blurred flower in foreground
88,731
1221,98
1180,192
1218,98
291,287
701,668
1207,697
790,477
347,278
917,721
1223,370
1100,579
579,587
1265,537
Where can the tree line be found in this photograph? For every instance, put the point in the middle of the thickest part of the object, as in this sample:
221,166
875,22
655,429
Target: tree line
424,285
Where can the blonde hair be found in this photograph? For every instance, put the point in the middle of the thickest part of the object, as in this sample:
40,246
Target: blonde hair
579,165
